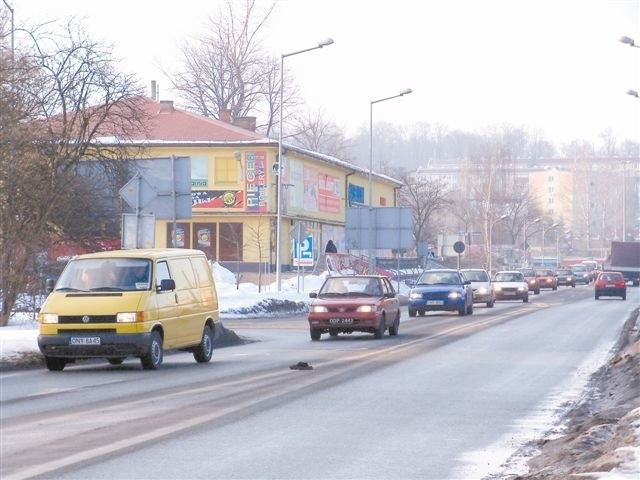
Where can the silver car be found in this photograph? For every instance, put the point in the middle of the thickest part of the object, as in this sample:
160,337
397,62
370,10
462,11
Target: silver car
480,284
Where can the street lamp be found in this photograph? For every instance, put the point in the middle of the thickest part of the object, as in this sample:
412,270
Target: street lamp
321,44
633,93
629,41
526,259
491,240
544,263
406,91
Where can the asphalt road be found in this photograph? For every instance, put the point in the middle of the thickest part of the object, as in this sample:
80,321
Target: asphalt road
450,397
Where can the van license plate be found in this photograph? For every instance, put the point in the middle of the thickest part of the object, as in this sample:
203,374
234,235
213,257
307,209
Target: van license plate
84,341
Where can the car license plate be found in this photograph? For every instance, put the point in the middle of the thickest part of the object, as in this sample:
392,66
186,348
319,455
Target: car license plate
435,302
84,341
609,285
509,293
340,321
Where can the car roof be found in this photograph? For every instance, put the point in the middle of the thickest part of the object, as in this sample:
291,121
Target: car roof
150,253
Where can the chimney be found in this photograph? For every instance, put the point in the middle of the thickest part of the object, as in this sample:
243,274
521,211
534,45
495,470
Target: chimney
248,123
154,90
166,106
224,115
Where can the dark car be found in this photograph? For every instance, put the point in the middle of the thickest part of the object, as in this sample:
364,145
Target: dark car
581,274
547,279
610,284
441,289
565,277
530,277
354,303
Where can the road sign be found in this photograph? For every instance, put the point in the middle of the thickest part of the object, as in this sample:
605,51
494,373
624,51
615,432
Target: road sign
303,252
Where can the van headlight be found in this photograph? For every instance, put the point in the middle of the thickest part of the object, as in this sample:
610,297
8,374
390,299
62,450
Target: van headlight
127,317
48,318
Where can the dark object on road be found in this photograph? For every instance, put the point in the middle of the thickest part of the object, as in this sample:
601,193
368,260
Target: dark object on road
301,366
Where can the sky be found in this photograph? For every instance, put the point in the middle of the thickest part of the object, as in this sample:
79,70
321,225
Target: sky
554,67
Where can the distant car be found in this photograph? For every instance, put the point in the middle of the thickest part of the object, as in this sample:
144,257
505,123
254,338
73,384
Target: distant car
531,279
510,285
354,303
480,284
581,274
441,289
565,277
610,284
547,279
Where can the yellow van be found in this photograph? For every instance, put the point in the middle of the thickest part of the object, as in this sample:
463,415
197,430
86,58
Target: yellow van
130,303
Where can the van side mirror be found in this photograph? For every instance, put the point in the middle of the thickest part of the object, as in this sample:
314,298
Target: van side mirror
49,285
167,284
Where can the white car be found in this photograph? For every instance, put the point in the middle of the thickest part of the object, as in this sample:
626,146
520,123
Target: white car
510,285
480,284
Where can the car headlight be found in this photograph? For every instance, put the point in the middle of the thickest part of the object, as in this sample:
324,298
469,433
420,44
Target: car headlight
415,295
497,289
482,290
48,317
454,295
521,289
366,308
532,282
318,309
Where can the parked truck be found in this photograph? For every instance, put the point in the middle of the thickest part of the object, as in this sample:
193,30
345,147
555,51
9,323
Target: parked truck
625,258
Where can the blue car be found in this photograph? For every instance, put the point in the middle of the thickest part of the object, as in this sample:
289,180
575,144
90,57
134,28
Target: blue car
441,289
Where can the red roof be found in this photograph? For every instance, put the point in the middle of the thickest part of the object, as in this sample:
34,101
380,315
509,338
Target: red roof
170,124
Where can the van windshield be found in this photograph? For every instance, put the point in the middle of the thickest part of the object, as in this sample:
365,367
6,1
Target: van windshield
105,274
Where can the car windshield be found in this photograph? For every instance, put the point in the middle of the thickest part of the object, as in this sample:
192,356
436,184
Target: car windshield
105,274
439,278
351,286
509,277
476,275
564,272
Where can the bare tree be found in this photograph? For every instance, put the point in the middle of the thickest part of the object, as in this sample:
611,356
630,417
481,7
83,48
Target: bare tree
425,198
62,96
227,68
315,132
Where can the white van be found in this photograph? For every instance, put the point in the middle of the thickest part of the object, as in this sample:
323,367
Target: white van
130,303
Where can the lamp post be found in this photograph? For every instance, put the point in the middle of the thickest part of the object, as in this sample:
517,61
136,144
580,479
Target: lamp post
633,93
526,259
491,225
543,232
406,91
12,12
321,44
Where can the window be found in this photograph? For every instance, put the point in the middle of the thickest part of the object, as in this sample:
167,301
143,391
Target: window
226,170
231,241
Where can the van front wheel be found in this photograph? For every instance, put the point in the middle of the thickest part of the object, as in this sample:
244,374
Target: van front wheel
153,358
204,351
55,364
